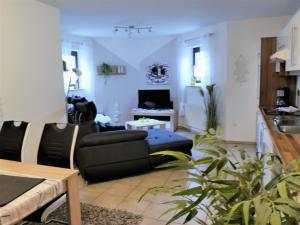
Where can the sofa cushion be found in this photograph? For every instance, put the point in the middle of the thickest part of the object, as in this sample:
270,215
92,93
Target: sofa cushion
161,139
111,137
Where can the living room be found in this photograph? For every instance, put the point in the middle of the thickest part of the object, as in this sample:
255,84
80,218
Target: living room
123,59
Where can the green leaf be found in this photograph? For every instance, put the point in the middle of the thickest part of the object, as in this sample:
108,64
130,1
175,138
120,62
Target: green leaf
189,208
275,218
282,189
175,163
210,152
221,164
246,209
175,154
212,131
272,182
232,210
226,182
203,161
199,221
211,167
191,215
288,201
263,211
288,210
192,191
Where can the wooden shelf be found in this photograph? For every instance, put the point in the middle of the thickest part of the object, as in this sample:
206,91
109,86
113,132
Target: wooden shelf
115,70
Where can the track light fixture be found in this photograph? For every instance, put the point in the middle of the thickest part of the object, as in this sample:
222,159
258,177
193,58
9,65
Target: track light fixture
131,29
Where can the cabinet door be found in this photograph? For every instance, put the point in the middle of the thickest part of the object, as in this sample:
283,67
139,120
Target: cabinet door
293,43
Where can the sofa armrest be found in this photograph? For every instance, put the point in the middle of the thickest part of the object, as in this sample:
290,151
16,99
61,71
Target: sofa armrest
111,137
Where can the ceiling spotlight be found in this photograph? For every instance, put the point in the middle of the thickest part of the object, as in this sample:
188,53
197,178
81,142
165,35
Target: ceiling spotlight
116,29
150,30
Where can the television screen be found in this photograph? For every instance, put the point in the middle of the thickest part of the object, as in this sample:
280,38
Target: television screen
155,99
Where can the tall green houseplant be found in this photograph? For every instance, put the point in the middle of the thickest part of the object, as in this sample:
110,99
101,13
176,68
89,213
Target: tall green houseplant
228,186
210,104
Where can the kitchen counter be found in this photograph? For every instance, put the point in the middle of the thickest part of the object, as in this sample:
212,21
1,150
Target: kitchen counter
286,145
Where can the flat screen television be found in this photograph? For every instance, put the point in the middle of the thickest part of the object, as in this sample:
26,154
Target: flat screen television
155,99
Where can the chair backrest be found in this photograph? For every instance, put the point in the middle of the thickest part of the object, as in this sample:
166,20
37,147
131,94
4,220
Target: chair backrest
57,145
85,111
12,138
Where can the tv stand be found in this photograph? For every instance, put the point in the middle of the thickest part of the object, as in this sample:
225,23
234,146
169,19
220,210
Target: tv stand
168,115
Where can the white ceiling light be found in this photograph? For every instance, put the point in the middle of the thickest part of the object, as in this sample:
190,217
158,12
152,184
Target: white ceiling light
131,29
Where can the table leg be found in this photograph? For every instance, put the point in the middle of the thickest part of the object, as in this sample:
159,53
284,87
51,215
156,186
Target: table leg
73,201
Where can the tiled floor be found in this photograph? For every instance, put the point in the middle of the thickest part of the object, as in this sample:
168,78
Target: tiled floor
124,193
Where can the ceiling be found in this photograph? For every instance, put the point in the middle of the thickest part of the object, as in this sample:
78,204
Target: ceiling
96,18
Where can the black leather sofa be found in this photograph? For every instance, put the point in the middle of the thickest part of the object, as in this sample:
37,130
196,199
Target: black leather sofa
107,155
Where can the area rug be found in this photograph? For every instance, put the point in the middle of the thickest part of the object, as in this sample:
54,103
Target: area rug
95,215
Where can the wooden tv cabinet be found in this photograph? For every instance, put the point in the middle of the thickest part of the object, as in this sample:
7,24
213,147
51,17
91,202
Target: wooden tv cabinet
168,115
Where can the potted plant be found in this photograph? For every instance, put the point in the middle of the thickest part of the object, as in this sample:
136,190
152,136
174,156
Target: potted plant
229,187
210,104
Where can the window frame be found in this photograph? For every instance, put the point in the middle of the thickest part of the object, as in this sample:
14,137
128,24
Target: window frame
195,51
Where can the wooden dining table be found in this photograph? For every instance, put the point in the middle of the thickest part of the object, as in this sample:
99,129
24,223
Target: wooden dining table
57,182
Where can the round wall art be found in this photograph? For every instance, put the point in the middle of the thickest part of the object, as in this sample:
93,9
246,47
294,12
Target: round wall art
157,74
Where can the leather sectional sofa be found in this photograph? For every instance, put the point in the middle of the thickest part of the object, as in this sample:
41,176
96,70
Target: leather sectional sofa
113,154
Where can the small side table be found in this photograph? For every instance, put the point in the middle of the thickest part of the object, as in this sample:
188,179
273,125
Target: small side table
144,124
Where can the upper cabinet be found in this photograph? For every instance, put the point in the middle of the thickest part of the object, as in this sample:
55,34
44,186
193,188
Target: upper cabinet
289,40
293,43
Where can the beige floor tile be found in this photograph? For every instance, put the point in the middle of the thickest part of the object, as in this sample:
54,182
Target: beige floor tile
155,210
88,196
153,181
132,205
162,173
99,187
131,181
108,201
138,191
117,189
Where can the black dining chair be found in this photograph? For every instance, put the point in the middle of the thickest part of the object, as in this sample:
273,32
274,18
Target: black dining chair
56,149
13,135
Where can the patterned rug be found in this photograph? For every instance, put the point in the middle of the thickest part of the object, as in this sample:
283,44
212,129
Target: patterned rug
95,215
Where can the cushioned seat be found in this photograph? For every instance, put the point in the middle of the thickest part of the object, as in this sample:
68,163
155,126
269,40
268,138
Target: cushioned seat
161,140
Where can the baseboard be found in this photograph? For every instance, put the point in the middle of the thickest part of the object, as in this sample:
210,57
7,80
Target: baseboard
193,130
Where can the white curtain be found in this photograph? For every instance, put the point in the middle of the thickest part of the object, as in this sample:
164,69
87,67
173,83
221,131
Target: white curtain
206,47
193,109
206,44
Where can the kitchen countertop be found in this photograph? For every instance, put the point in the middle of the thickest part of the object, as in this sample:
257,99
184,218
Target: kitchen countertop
287,145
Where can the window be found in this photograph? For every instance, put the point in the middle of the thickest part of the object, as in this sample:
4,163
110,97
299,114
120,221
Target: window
198,64
71,60
71,79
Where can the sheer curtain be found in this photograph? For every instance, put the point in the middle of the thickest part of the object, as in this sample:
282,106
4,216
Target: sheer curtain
206,47
193,108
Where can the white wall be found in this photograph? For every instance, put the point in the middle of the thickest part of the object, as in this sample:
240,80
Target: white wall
194,115
238,102
84,47
244,38
31,74
137,55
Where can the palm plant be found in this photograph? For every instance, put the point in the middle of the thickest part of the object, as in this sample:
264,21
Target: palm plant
210,104
229,188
